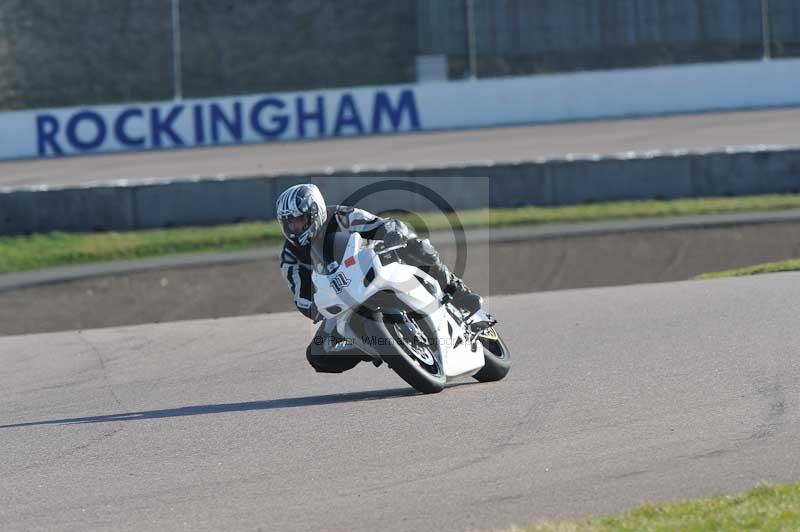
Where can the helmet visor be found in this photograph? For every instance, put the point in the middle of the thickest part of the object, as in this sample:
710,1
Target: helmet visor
293,226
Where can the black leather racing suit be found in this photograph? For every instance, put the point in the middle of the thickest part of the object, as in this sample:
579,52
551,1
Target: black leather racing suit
296,268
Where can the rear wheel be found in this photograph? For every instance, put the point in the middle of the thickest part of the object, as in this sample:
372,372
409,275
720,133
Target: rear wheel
496,355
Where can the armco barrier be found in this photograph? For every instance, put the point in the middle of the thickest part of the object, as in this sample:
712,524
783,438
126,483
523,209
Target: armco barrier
151,204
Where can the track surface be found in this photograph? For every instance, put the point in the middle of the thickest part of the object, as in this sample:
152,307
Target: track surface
617,396
779,126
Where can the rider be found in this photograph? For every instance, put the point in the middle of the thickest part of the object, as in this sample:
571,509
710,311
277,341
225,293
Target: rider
304,218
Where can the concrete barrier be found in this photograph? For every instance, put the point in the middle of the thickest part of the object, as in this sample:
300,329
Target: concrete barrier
41,210
202,202
149,204
388,109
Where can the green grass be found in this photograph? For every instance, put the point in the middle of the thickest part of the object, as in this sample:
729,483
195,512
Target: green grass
64,249
631,210
791,265
767,507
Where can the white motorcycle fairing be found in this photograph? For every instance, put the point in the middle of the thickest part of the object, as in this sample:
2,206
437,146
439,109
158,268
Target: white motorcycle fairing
361,275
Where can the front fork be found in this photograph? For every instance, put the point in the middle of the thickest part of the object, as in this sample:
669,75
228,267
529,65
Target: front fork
480,323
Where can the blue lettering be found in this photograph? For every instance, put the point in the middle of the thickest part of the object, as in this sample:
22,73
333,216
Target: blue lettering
119,128
383,105
99,135
280,120
347,116
46,131
199,124
234,126
159,126
318,116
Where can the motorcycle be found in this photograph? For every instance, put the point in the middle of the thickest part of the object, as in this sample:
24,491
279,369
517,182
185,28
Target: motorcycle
396,313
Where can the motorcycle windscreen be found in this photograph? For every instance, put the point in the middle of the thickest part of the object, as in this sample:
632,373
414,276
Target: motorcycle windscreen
328,253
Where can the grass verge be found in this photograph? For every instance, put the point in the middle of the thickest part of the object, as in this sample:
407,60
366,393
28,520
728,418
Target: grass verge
767,507
791,265
65,249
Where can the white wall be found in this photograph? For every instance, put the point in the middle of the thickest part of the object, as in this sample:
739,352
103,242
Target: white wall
378,110
613,94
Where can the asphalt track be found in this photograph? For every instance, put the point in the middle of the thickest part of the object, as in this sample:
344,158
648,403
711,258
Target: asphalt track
697,131
617,396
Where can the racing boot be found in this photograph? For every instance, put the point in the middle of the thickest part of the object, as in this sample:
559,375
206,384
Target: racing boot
463,297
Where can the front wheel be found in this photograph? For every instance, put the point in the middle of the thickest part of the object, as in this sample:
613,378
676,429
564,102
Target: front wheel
496,355
402,343
413,357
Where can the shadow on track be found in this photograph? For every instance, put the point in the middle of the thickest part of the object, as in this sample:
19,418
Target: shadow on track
315,400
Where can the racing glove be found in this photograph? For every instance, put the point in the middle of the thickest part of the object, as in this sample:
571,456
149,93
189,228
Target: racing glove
394,238
395,233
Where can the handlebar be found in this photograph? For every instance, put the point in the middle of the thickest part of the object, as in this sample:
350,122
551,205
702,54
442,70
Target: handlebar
380,248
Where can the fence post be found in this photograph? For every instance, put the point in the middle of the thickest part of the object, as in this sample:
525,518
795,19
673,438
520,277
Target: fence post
177,81
472,50
766,35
